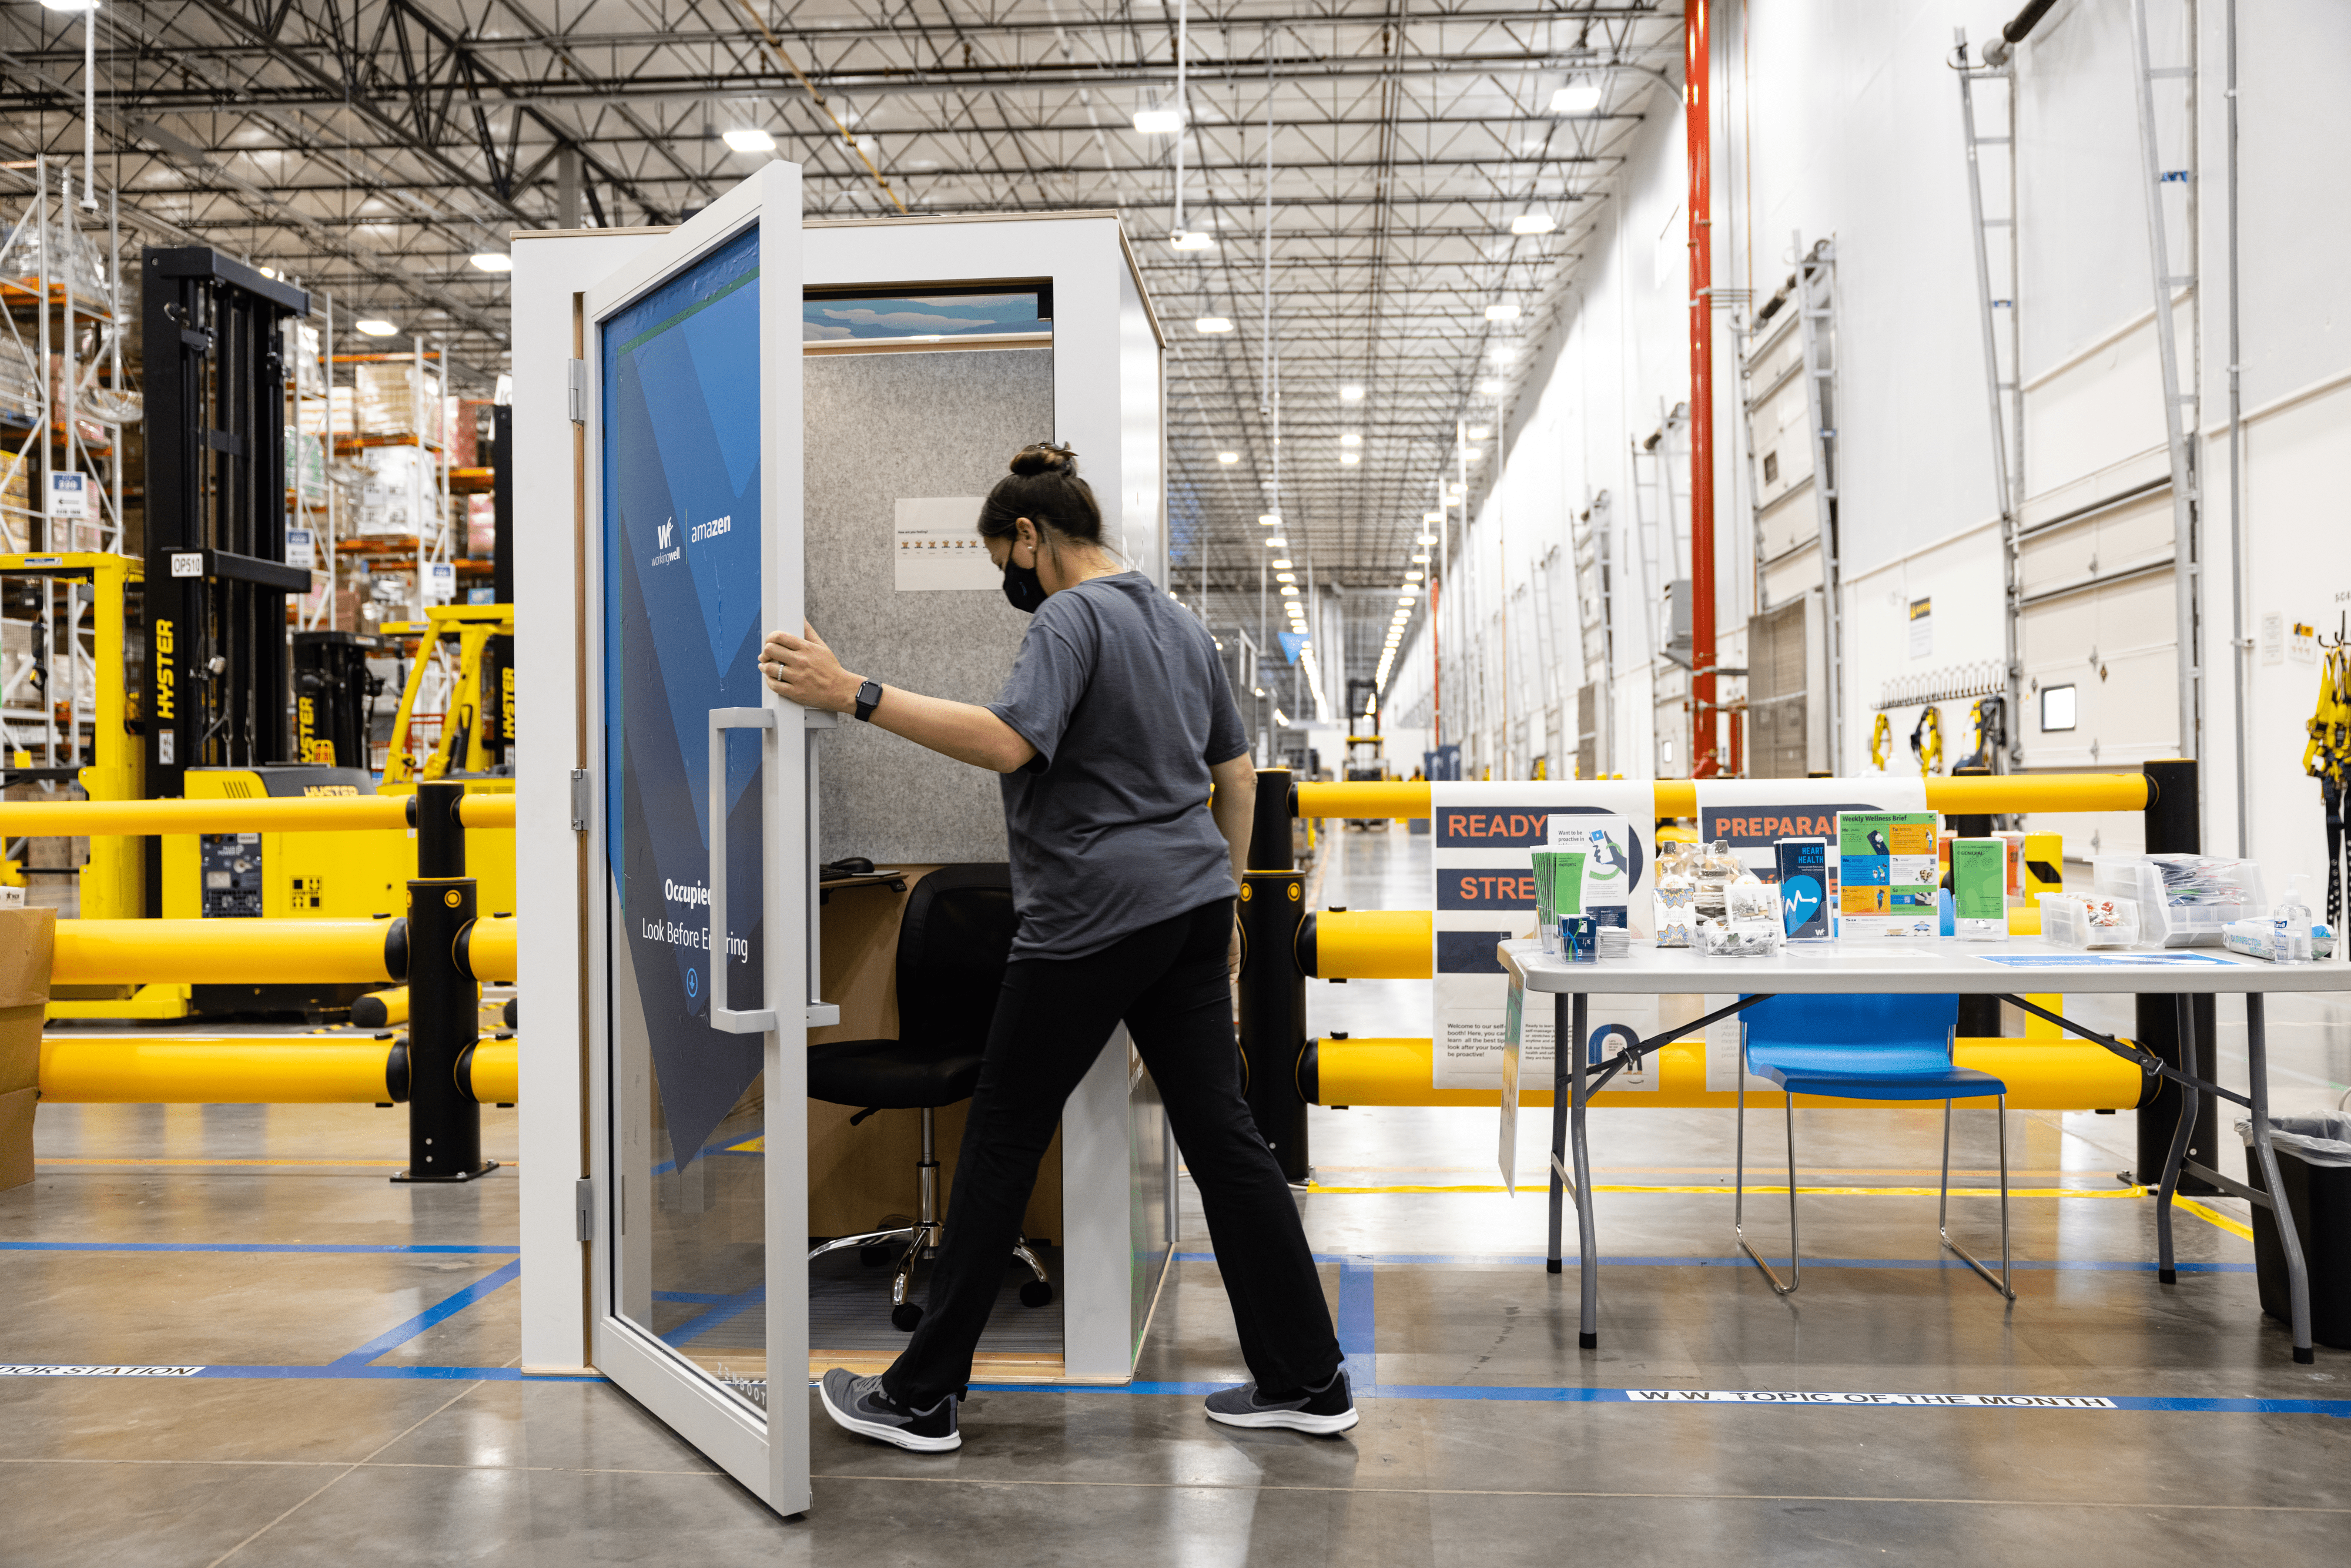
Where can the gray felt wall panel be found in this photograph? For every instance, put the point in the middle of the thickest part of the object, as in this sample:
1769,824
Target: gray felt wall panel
881,426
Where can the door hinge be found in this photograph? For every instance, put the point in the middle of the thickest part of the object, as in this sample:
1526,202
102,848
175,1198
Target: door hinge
580,799
575,374
583,1198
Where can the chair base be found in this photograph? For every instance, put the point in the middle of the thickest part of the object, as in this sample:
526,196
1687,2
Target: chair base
2001,1282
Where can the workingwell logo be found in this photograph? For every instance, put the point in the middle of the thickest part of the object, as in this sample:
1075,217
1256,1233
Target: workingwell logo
665,546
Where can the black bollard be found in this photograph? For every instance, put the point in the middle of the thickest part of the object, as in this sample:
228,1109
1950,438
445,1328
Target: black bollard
1272,985
444,1122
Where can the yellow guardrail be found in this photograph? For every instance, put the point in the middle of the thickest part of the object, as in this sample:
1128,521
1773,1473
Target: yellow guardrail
2052,1075
238,952
226,1071
486,950
286,814
311,1069
2001,792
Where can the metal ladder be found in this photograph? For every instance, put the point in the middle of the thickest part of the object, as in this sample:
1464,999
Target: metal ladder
2180,408
1588,540
1815,303
1996,279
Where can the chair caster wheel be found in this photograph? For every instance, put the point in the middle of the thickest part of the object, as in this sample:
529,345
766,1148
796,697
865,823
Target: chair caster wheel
874,1257
904,1316
1036,1293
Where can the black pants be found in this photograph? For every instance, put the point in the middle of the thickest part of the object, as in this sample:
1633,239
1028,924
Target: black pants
1167,982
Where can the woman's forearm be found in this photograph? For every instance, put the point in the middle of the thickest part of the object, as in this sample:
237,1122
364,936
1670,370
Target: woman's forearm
965,731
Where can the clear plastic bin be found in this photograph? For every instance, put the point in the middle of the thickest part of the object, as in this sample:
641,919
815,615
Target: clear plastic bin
2153,883
2066,921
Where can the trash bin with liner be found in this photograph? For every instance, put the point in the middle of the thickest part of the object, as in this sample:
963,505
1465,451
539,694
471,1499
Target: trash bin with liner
2314,1157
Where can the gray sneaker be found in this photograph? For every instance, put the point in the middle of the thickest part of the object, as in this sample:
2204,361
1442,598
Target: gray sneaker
859,1403
1325,1411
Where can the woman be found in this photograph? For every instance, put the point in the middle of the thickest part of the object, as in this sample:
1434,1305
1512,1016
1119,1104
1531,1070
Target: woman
1114,723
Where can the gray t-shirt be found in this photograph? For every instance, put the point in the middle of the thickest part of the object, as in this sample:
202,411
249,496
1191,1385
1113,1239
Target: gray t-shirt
1124,699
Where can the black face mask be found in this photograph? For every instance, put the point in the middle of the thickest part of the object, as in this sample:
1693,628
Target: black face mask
1022,590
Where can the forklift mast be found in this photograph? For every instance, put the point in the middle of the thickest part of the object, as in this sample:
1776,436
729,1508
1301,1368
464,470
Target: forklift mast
219,685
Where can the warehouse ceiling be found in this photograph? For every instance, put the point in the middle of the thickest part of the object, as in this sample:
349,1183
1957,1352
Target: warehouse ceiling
370,147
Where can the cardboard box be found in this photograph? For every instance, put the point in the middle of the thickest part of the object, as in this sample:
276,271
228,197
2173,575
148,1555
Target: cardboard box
27,942
16,1137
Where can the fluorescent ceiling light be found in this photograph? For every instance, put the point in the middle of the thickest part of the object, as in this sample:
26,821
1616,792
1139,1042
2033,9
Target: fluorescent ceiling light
1158,121
1350,438
1271,519
1420,559
1287,589
750,138
1282,565
1351,393
1479,432
1213,324
1432,518
1505,311
1407,596
1503,353
1412,577
373,328
1228,456
1577,98
1285,577
1492,386
492,261
1277,544
1474,453
69,4
1533,224
1426,539
1349,459
1196,240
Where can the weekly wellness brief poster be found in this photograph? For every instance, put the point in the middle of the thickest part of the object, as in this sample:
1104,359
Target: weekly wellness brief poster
1482,849
682,526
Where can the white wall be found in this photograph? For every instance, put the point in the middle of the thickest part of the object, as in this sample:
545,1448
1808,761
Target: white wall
1842,120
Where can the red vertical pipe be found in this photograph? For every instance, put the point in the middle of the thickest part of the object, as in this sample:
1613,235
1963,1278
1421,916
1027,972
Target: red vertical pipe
1698,108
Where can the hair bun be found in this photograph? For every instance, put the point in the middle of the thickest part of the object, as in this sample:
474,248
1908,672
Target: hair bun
1042,457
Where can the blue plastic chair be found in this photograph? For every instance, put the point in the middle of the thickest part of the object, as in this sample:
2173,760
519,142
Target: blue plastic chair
1864,1047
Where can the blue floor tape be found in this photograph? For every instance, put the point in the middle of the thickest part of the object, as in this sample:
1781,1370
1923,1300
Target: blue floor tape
439,1312
421,1246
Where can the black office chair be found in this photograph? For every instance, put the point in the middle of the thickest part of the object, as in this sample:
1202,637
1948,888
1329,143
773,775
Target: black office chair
952,948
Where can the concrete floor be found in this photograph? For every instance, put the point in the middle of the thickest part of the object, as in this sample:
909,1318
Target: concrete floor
360,1404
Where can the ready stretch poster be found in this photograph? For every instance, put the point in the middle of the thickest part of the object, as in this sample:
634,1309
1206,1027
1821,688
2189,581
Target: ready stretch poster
680,372
1482,843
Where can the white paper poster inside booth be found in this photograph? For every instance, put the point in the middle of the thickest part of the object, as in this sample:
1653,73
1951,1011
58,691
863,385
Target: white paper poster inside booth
1482,842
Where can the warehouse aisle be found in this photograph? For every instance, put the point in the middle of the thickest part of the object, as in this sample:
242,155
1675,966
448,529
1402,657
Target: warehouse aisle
358,1402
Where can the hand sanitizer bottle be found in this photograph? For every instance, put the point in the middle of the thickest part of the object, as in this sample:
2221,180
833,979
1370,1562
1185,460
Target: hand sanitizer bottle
2291,920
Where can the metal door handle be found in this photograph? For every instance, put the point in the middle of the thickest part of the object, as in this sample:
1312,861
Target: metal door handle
723,1016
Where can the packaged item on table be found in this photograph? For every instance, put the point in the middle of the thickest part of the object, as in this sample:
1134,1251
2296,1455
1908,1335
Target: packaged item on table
2088,920
1615,941
1803,887
1888,872
1675,895
1578,938
1752,916
1980,890
2254,938
1715,870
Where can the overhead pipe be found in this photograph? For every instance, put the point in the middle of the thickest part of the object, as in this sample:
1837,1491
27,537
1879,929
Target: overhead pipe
1698,102
1998,52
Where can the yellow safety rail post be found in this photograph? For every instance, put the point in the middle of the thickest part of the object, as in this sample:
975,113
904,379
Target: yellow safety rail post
1273,985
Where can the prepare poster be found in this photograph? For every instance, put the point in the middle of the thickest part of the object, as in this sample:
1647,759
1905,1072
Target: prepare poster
680,393
1483,837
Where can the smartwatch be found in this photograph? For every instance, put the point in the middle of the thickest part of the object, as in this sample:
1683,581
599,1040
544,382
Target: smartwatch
869,697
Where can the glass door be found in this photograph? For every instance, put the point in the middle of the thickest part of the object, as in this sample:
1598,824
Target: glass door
701,962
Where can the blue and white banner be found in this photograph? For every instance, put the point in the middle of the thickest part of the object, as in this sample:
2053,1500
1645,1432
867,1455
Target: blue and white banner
680,374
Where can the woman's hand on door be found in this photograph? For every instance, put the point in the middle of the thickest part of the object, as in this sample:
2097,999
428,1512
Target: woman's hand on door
805,670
